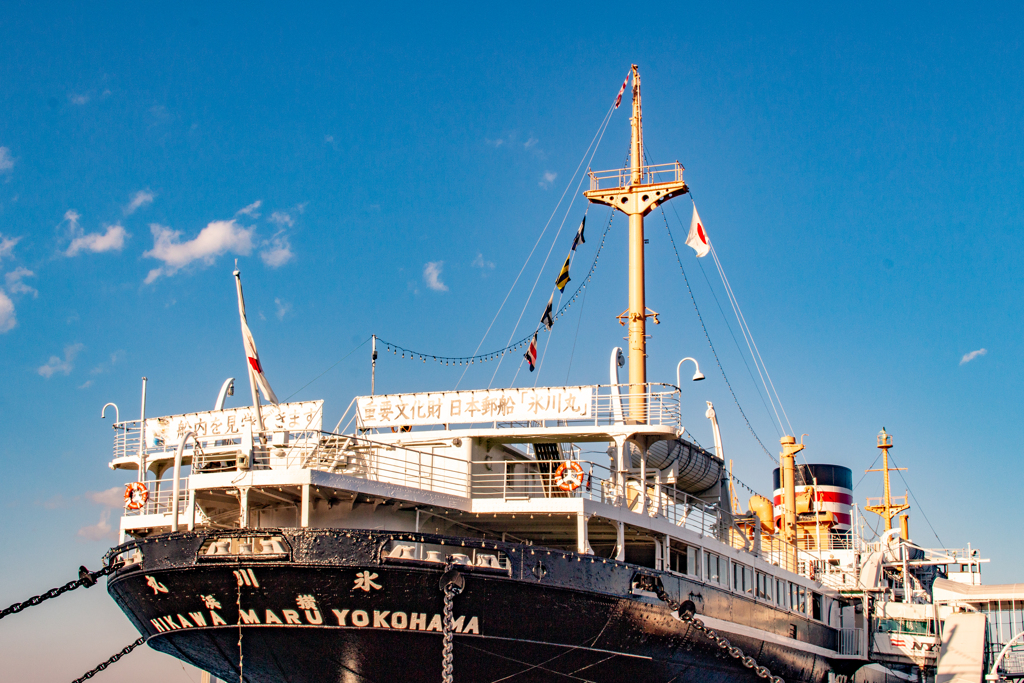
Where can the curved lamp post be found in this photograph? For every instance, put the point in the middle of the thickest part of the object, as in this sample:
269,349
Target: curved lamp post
697,376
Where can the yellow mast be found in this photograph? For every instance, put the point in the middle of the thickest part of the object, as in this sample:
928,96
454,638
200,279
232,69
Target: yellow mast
885,507
636,199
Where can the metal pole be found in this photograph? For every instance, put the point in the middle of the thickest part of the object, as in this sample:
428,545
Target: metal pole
373,365
142,435
637,303
178,454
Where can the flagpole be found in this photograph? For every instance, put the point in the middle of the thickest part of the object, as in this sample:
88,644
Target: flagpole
252,378
373,365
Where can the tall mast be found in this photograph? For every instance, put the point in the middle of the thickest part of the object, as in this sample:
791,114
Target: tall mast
636,199
886,507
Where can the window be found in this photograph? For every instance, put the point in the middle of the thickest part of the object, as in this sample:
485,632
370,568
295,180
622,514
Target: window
692,561
684,559
816,604
798,598
748,581
764,585
888,626
780,592
712,566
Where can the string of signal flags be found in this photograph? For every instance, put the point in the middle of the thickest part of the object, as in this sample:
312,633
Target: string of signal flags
547,320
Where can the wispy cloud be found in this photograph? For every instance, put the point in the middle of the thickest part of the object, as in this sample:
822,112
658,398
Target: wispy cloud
215,239
277,251
8,320
112,498
78,99
56,364
6,160
432,276
139,200
481,263
282,219
104,367
252,210
7,245
530,143
100,531
968,357
547,179
283,308
15,284
98,242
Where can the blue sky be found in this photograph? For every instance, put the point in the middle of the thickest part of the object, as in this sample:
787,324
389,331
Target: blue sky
860,174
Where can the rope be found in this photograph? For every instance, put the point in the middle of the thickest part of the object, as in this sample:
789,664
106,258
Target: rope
491,355
686,614
85,578
328,369
89,674
708,338
600,128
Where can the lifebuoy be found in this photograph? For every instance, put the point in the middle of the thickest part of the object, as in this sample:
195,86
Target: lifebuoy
569,475
135,495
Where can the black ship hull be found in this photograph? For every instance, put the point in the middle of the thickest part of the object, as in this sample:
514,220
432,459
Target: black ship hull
334,607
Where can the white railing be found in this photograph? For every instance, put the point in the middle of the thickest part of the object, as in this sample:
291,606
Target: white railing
623,177
850,640
160,498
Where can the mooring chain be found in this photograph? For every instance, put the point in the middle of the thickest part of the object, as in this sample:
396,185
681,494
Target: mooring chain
86,676
686,613
85,578
452,583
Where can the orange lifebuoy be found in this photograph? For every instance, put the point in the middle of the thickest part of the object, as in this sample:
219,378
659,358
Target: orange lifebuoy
135,495
569,475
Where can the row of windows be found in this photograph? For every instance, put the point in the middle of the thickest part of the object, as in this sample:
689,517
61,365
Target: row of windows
917,627
745,580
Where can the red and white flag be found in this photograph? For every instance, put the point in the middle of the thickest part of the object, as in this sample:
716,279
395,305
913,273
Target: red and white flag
256,369
698,237
531,352
618,100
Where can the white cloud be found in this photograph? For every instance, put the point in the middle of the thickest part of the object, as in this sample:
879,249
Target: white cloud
530,143
139,200
283,308
432,276
78,99
100,531
112,498
251,210
215,239
549,177
15,284
56,364
281,218
6,160
86,384
7,245
103,367
481,263
98,242
968,357
8,321
277,251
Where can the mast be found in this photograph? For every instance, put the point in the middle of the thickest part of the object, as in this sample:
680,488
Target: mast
886,508
636,199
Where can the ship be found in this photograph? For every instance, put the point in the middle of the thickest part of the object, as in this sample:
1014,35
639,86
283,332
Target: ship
474,535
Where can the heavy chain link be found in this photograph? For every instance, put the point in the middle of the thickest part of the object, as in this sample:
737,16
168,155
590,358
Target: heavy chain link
452,583
85,578
688,617
89,674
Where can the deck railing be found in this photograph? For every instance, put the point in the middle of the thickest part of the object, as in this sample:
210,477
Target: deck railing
623,177
160,497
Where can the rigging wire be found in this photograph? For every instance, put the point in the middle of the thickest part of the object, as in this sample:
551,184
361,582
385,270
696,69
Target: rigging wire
712,346
918,504
544,265
328,369
732,334
600,129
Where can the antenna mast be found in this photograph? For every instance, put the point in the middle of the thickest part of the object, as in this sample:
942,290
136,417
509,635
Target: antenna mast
886,507
638,190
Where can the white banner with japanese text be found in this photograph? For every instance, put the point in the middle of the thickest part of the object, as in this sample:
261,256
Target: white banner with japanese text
230,423
467,407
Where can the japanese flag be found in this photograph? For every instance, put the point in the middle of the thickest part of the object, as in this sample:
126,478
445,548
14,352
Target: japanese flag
255,368
698,237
